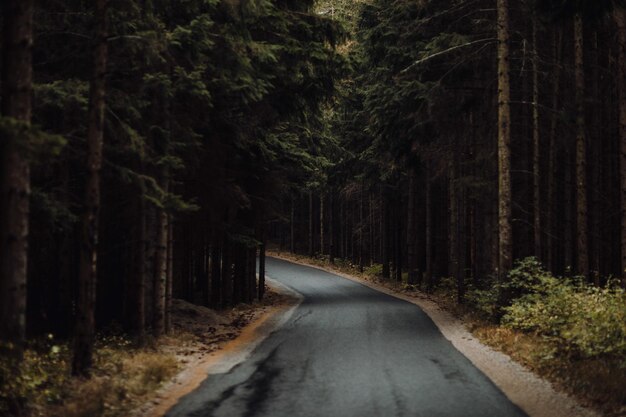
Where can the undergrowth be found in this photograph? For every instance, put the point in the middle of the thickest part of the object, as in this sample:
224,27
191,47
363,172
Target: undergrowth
122,377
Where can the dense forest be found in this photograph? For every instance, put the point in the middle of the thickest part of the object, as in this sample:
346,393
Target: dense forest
153,149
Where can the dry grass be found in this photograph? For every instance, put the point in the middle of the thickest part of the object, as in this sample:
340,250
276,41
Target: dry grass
596,382
123,377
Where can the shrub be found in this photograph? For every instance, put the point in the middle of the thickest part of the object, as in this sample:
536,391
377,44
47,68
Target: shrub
376,270
579,319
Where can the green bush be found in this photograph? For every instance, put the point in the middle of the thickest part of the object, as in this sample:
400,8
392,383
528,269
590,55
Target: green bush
375,270
484,301
579,319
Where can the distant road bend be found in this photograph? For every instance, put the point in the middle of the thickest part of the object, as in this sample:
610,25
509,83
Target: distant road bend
348,351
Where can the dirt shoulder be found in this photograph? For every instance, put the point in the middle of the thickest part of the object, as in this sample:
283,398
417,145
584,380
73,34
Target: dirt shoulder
215,341
536,396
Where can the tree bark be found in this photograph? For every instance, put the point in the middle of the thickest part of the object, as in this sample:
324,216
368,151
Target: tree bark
170,274
453,230
620,20
551,203
582,244
331,229
322,223
311,239
537,203
505,238
262,267
137,290
411,232
398,240
292,225
386,236
361,226
160,271
17,41
429,230
85,326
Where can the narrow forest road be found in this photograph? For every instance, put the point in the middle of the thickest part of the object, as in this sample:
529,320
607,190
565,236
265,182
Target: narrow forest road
348,351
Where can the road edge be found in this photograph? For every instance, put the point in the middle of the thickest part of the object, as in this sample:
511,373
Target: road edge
536,396
228,356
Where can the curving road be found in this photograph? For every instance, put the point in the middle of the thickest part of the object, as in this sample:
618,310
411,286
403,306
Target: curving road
348,351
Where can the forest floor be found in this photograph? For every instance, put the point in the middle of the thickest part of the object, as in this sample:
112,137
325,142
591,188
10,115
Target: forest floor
565,387
140,381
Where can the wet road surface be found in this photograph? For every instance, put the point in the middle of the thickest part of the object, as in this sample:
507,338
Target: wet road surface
348,351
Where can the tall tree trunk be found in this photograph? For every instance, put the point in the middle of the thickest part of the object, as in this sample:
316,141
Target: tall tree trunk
596,165
331,229
398,240
620,20
505,238
429,229
160,270
17,41
411,230
227,273
361,227
461,240
85,306
292,226
311,229
582,244
551,200
216,273
261,292
170,274
386,235
537,203
322,223
453,230
137,290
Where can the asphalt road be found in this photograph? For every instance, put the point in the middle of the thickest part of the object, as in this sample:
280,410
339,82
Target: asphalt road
348,351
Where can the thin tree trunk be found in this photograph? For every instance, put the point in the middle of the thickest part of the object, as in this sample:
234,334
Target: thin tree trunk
160,268
596,166
411,230
311,241
292,225
262,267
216,273
537,203
137,288
331,229
453,236
582,244
85,306
322,223
386,236
505,238
429,229
551,203
227,273
620,20
361,227
170,274
398,241
17,41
